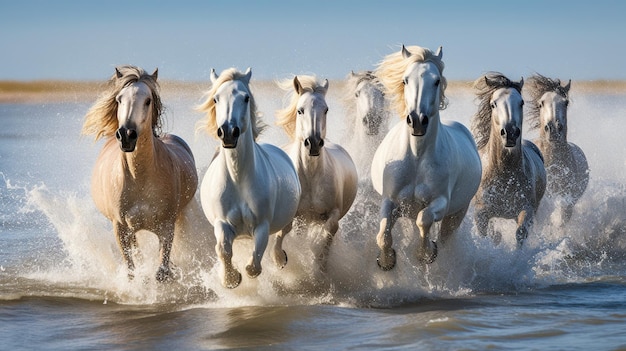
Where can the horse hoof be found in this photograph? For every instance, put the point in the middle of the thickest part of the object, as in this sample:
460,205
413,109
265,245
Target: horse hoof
252,271
281,262
389,260
430,258
164,275
233,280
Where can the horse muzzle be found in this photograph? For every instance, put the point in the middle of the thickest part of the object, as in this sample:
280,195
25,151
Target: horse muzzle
372,124
511,134
418,123
229,136
127,137
314,144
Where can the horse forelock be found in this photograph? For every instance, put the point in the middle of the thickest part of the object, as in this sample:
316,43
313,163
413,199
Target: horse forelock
535,87
209,124
485,87
286,117
101,119
390,72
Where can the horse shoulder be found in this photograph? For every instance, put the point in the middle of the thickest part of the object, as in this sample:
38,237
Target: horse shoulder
389,152
345,174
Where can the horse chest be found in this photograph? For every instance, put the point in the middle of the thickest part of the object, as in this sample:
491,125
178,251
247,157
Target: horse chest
507,194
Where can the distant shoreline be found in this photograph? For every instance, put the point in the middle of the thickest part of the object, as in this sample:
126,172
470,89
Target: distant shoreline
87,91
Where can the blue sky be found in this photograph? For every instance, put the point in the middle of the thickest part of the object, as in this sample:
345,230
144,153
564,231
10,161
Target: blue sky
85,40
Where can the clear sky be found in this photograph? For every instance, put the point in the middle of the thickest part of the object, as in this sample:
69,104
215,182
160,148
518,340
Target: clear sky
85,40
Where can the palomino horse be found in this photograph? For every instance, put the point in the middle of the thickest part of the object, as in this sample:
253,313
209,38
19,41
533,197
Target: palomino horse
249,188
327,174
514,178
142,180
566,164
425,168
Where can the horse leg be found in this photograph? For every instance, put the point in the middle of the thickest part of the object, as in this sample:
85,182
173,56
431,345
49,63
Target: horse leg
387,257
524,222
225,234
278,254
125,239
481,219
261,234
425,219
450,224
166,237
331,226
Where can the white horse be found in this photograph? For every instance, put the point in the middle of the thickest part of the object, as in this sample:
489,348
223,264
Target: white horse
327,174
514,177
565,162
142,180
425,168
368,113
249,188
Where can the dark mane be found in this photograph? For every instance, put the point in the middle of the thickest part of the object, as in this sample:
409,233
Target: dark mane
485,86
535,87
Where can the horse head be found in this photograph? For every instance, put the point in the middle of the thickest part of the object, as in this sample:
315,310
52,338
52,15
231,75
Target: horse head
135,110
311,112
506,105
370,102
553,112
422,94
232,108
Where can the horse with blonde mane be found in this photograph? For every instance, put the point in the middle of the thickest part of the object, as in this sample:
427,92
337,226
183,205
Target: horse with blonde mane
142,180
566,165
250,188
426,168
514,177
328,176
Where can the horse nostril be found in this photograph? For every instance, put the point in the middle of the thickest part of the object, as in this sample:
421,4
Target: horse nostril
236,132
424,120
502,132
306,142
408,120
118,135
220,132
547,128
321,142
560,127
131,134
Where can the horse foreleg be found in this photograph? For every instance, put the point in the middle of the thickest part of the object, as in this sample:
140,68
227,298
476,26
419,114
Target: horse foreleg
387,257
261,234
331,226
524,222
224,235
425,218
166,237
481,219
126,241
278,254
450,224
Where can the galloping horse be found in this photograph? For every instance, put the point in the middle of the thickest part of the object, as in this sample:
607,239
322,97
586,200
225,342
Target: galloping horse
142,180
425,168
514,177
327,174
249,188
566,164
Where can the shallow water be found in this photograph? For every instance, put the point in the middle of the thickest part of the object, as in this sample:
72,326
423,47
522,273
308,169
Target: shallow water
63,285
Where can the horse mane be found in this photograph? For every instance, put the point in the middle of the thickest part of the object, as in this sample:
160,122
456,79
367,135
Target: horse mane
286,117
486,85
101,119
209,124
535,87
390,72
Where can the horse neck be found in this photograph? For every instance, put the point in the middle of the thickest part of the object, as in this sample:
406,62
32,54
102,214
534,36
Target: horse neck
141,161
501,157
420,145
554,151
241,160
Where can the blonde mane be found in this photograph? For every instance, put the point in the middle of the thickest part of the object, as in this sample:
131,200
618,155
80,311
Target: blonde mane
209,124
390,72
101,119
286,117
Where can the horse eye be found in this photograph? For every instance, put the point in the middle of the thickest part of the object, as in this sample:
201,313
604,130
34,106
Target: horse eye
215,100
566,103
356,94
437,82
493,105
541,104
521,103
118,99
301,111
326,112
246,99
148,101
405,81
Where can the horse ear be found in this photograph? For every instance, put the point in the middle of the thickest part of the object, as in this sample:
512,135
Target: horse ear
568,86
155,74
296,85
118,74
213,75
439,52
521,83
405,52
325,86
247,75
352,73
